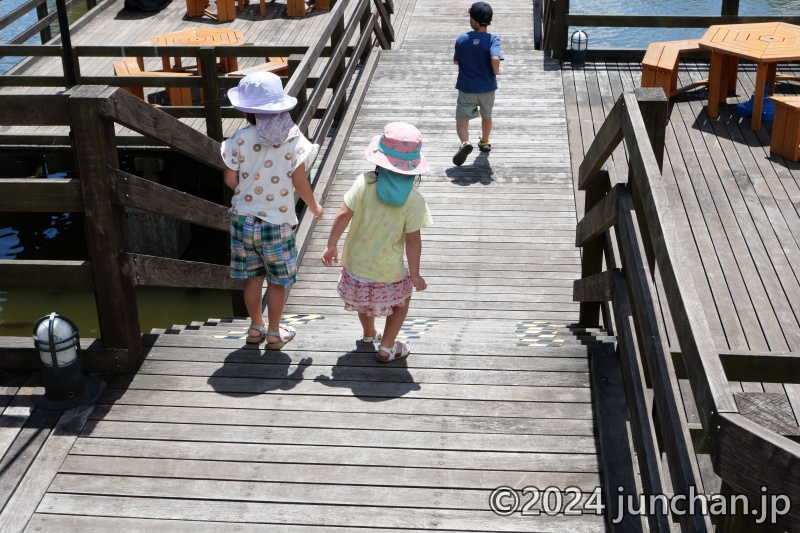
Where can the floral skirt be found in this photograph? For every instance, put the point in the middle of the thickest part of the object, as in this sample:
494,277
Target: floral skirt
373,298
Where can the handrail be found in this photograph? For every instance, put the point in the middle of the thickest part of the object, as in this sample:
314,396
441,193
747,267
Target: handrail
42,26
557,20
745,455
103,190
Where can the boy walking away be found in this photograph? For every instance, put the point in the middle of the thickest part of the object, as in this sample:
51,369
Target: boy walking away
265,165
478,58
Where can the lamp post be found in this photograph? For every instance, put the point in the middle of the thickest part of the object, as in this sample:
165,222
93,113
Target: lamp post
56,337
578,44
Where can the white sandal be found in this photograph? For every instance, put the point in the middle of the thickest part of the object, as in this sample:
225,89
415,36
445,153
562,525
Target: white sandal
283,338
392,354
256,339
378,336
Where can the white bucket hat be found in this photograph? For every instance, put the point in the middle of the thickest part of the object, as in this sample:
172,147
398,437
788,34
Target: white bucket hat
260,92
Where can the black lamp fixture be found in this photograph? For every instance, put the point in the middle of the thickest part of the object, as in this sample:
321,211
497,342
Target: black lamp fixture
65,385
578,44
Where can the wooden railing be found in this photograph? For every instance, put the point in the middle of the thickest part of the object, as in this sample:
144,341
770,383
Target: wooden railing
102,191
44,19
301,61
631,228
557,19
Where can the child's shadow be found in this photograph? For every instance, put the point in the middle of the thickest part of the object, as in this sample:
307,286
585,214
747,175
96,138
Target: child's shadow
248,372
480,171
370,383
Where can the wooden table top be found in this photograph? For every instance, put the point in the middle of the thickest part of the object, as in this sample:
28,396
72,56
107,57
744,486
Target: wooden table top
199,37
759,42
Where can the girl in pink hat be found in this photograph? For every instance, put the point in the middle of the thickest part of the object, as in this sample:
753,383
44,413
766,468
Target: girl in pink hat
387,214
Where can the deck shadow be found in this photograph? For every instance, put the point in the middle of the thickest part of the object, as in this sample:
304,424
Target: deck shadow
344,374
260,370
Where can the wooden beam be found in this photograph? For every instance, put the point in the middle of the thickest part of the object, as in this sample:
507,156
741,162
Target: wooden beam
53,276
140,193
674,431
336,147
601,217
670,21
325,80
709,385
298,79
41,195
595,288
18,354
644,435
765,367
747,457
606,140
143,118
34,110
149,271
386,23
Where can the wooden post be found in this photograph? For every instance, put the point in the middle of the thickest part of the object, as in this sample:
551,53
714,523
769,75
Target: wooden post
560,29
592,253
730,8
41,12
302,96
537,24
339,69
106,226
207,61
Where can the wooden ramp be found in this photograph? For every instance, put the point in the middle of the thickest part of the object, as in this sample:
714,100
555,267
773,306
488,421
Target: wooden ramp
212,435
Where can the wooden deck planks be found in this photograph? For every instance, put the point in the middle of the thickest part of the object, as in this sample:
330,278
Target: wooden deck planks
211,434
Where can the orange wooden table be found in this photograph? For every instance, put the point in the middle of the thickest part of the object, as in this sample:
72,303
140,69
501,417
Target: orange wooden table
200,37
766,44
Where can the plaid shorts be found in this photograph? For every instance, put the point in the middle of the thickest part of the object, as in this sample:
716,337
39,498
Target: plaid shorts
259,248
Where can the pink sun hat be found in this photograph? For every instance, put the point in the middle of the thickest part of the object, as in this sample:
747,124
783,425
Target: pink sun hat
398,149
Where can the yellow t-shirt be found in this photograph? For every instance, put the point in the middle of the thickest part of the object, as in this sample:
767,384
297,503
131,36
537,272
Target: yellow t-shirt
376,240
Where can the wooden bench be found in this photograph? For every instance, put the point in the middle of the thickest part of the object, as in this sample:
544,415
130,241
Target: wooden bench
299,8
660,66
226,9
262,7
134,66
786,127
277,65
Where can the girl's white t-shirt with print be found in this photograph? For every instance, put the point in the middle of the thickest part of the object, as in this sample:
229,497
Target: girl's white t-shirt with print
265,187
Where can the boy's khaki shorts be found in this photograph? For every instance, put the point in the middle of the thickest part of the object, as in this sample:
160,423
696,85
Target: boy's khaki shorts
472,105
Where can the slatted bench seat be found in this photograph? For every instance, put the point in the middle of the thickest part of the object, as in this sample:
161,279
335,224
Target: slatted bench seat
134,66
660,66
276,65
786,127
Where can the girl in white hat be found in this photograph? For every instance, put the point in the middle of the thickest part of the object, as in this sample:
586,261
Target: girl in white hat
266,165
387,215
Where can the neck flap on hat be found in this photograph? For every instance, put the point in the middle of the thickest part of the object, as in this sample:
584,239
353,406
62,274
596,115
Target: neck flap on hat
393,188
276,128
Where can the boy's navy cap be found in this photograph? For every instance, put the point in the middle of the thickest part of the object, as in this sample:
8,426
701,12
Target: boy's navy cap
481,12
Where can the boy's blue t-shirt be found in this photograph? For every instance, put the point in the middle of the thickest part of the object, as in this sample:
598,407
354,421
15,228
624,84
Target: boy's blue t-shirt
474,51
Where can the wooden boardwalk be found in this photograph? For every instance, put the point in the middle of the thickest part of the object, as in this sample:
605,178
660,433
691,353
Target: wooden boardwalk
211,435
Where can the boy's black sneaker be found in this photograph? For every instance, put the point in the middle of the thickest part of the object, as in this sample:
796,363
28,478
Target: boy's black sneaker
463,152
